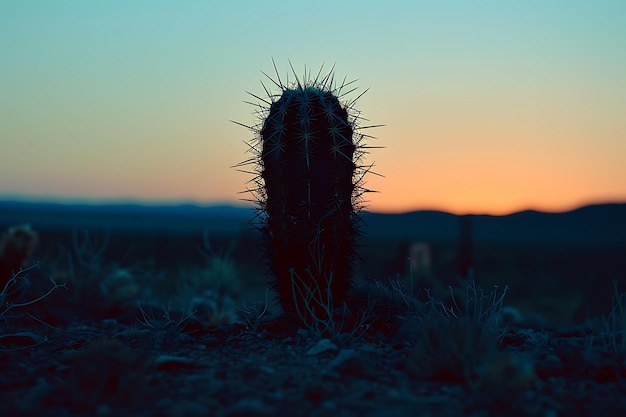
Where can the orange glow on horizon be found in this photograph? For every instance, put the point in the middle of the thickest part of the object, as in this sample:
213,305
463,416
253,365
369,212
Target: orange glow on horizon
486,109
497,211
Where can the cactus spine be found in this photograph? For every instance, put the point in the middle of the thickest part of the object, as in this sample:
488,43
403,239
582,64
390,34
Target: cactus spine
307,152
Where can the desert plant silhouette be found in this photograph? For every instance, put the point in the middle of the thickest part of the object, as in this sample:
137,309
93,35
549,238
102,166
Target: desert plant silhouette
308,188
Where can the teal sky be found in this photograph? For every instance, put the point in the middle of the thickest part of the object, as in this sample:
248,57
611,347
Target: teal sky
489,106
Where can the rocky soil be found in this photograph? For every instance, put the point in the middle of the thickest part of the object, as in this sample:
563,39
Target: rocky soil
118,367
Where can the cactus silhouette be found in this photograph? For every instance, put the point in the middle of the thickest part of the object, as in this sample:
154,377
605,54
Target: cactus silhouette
308,187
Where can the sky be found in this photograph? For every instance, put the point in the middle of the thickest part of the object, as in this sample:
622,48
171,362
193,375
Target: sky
489,107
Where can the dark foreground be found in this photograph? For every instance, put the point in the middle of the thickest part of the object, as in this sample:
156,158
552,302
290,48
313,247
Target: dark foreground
155,367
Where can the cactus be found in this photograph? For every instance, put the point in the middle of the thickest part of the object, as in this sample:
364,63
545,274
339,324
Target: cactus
309,190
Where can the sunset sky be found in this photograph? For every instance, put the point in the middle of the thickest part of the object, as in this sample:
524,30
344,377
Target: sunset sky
488,106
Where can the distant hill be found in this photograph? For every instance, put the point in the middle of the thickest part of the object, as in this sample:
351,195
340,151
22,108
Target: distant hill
128,217
596,224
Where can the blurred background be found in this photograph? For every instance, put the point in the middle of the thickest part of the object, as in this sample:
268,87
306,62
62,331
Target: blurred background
560,268
504,140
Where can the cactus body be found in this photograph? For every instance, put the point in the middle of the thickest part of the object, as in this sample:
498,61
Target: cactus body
309,187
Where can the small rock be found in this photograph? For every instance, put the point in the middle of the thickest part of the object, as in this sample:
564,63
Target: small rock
551,365
167,363
21,339
322,346
249,407
351,362
267,369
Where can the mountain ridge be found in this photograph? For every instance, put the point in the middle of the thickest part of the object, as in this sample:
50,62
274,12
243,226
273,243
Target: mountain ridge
596,223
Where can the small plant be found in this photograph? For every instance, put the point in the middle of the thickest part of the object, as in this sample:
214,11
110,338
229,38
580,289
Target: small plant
16,282
322,317
308,187
455,342
478,306
451,349
391,306
168,330
220,274
615,323
401,297
17,245
94,281
212,308
254,314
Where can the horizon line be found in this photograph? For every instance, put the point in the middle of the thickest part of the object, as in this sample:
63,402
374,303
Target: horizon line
86,201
